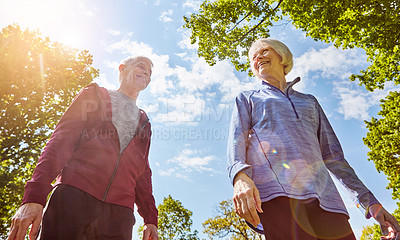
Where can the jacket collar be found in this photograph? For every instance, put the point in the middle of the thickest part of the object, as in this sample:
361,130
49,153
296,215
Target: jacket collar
288,89
105,98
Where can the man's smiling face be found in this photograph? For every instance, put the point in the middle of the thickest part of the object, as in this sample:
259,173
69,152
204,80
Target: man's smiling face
137,75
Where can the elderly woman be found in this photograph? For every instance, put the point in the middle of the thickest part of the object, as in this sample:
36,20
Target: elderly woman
281,149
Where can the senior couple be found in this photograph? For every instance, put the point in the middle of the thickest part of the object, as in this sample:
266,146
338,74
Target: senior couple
281,149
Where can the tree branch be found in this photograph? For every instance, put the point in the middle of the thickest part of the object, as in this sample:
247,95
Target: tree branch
251,30
241,20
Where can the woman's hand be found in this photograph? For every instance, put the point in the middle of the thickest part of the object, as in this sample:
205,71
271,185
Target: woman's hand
389,226
246,199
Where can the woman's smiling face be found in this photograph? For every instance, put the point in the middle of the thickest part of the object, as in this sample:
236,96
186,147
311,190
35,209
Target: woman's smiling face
267,62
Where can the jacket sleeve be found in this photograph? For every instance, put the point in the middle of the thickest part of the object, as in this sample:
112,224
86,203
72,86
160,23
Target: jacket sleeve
238,136
60,147
144,194
335,161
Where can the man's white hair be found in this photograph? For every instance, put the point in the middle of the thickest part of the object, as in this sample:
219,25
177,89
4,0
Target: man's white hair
132,60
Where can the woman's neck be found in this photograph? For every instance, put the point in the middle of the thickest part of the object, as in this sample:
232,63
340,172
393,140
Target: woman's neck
277,82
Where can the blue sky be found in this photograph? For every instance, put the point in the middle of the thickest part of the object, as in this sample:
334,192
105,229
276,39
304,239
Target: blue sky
189,103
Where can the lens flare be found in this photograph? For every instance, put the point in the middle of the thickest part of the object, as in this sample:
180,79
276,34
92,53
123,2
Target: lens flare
274,151
285,165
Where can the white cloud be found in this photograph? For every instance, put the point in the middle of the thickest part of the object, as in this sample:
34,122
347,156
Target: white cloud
187,162
181,55
353,103
194,5
103,82
148,107
112,64
172,172
167,172
356,102
181,109
185,42
114,32
85,10
166,16
325,63
191,161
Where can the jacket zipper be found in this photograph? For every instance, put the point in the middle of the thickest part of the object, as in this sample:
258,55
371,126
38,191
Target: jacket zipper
119,158
294,109
287,96
111,179
291,103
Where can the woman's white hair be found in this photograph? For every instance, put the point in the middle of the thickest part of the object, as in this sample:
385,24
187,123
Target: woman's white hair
132,60
278,46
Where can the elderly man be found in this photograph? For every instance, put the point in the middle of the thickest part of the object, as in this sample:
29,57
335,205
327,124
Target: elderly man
99,154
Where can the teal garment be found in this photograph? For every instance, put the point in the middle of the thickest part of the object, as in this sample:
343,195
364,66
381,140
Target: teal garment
285,143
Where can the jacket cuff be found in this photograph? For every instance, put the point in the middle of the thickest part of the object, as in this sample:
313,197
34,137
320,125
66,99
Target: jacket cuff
366,200
36,193
151,216
240,168
151,220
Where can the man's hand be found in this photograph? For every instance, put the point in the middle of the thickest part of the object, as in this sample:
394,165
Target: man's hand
150,232
389,226
28,214
246,199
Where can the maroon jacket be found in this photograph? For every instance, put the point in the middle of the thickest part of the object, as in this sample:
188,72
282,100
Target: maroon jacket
84,152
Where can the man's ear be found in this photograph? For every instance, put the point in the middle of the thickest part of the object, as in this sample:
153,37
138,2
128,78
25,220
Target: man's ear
121,67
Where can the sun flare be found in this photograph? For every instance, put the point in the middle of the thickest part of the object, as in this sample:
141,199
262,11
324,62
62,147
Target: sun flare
61,20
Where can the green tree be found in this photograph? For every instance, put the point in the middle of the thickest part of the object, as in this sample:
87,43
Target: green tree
227,223
174,221
383,139
224,30
371,233
38,79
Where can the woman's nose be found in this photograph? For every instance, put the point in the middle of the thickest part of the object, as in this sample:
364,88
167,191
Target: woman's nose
258,56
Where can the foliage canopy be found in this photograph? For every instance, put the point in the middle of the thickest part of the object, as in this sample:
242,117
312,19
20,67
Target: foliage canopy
38,79
227,223
174,221
383,139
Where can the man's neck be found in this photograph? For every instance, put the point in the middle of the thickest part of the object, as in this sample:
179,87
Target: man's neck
132,94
